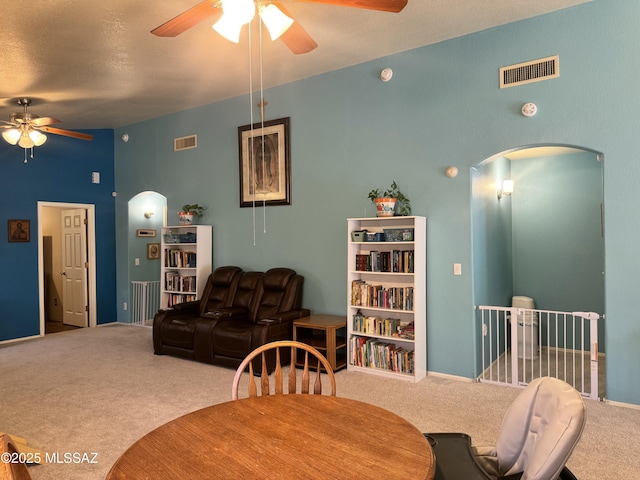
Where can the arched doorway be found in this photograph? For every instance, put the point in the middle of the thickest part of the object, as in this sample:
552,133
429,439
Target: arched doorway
147,213
545,241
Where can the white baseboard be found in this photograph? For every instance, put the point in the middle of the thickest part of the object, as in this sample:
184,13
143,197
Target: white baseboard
450,377
622,404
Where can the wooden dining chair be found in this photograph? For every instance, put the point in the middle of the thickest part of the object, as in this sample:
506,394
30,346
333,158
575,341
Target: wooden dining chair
11,470
278,375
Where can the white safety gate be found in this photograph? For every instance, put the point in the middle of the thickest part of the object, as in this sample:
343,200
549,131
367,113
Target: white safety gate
520,344
145,301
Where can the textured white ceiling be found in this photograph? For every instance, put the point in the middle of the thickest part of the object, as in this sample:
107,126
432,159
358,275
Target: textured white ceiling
94,64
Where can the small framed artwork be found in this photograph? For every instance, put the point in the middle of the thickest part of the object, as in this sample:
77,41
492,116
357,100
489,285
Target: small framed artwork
265,163
146,232
153,251
19,231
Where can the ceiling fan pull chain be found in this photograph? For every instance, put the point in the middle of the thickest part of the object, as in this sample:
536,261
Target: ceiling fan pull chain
264,196
252,184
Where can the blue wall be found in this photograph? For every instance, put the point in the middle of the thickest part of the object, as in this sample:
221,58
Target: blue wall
351,132
60,172
558,249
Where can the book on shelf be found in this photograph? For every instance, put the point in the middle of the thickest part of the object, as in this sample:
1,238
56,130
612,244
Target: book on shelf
179,258
374,353
396,261
364,294
175,282
176,298
389,327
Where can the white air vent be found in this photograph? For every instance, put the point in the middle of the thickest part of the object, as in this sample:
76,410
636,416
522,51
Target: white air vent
185,143
528,72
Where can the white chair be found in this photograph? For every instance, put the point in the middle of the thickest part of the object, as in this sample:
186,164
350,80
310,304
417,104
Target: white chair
538,432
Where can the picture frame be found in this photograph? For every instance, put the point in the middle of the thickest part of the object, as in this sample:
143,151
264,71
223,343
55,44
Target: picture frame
153,251
146,232
265,163
19,230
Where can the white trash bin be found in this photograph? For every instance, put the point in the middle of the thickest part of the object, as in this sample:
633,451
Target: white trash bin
527,327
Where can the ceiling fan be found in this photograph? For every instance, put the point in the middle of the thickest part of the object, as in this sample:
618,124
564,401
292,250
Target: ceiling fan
230,15
26,129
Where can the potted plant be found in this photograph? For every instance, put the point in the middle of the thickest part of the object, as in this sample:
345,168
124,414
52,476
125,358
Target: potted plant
189,212
387,201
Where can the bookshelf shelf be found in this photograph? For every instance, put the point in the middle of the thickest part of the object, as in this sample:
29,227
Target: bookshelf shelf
186,263
386,291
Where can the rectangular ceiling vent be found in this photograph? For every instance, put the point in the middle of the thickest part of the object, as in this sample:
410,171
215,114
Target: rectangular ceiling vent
528,72
185,143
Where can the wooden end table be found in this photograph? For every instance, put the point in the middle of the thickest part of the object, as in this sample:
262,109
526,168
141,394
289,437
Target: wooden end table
326,333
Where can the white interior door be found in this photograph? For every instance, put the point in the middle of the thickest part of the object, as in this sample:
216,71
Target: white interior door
74,264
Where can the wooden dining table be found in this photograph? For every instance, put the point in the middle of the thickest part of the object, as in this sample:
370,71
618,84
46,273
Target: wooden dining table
281,436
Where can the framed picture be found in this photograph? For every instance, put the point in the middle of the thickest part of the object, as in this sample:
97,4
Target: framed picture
19,231
146,232
153,251
265,163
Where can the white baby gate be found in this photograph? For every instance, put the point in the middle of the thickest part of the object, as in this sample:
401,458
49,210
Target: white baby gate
520,344
145,301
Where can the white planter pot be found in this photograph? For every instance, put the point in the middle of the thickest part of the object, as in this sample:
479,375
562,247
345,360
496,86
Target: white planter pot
185,218
385,207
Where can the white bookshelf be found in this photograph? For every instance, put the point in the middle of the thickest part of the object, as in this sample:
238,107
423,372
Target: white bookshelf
398,285
186,263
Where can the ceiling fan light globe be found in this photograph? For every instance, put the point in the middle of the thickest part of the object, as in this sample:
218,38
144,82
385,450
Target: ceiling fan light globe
228,28
241,11
276,21
11,136
25,140
37,138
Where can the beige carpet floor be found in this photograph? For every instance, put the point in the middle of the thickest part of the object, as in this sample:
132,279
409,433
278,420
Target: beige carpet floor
99,390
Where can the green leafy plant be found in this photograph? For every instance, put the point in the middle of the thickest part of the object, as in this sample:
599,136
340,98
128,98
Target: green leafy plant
403,204
195,209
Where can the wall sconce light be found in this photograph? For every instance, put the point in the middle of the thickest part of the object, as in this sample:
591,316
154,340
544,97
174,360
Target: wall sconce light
507,188
149,211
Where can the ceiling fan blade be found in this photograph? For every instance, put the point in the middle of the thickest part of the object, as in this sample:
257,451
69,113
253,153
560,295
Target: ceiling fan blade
393,6
188,19
296,37
67,133
41,121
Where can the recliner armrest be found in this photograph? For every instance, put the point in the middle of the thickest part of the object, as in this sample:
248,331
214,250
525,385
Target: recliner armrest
284,317
185,307
227,313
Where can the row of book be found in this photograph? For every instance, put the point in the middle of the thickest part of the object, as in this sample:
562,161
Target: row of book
397,261
390,327
370,352
174,282
179,258
364,294
176,298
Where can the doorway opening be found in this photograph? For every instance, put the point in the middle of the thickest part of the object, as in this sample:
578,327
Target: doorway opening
67,288
539,237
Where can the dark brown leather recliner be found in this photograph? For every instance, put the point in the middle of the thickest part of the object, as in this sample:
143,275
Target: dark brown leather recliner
238,312
176,330
275,304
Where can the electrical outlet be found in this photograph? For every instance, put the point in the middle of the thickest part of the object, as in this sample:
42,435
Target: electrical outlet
124,306
137,262
457,269
484,330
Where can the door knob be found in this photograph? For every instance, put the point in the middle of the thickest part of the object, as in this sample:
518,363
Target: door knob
63,273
